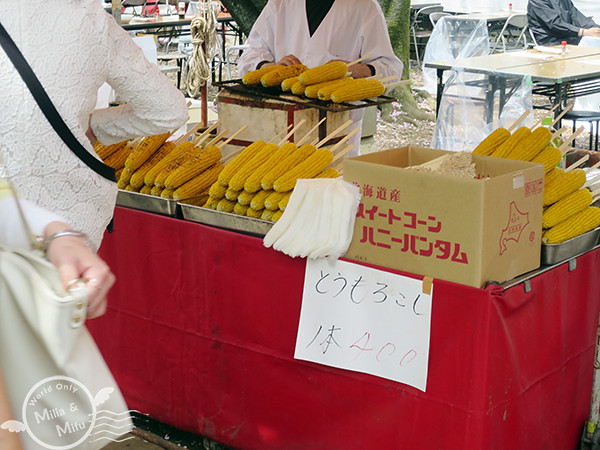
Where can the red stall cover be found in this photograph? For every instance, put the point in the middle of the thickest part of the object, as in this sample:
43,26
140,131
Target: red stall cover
201,329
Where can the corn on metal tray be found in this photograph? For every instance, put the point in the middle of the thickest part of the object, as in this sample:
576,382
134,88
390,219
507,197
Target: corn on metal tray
555,253
233,222
148,203
276,94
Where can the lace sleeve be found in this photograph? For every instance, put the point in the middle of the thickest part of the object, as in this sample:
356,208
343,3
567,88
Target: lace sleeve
153,104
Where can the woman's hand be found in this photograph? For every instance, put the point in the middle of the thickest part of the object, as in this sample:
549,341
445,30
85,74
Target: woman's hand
289,60
75,260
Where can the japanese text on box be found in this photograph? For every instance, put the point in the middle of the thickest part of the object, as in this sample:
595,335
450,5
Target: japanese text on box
366,320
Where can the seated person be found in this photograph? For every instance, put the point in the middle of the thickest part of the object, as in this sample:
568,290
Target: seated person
554,21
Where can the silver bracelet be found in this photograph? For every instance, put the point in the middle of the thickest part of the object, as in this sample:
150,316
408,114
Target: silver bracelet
62,233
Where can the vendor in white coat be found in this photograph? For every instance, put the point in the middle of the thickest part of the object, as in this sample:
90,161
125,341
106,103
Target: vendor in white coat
314,32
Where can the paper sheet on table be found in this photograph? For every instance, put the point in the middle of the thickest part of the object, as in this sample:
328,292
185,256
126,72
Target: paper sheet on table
366,320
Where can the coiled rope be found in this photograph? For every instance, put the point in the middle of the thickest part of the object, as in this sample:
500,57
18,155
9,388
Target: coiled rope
204,41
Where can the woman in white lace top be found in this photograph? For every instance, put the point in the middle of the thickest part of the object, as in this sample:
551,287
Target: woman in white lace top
74,46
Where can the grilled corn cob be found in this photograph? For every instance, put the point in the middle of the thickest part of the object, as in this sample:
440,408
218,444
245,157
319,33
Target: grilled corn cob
199,183
245,198
358,89
217,191
507,146
329,173
145,189
531,145
179,150
211,203
253,77
104,151
563,185
193,167
309,168
313,90
240,209
286,85
253,182
232,194
232,166
272,201
138,177
324,72
298,88
250,212
554,173
124,178
284,201
492,141
258,201
576,225
225,205
144,150
276,215
238,180
295,157
156,190
267,215
167,193
566,207
550,157
275,77
118,158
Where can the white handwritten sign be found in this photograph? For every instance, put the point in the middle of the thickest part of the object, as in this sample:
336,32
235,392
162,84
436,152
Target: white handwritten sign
366,320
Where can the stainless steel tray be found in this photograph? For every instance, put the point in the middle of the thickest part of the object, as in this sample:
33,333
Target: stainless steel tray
145,202
225,220
555,253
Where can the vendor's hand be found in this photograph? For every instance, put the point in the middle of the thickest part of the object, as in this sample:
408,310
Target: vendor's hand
289,60
357,70
594,32
75,260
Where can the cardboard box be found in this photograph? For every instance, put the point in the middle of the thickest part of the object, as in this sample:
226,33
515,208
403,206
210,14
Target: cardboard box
468,231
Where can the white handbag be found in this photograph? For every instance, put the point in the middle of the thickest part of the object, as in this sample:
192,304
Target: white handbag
61,392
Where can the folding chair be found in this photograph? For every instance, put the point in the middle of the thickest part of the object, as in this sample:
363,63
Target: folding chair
419,30
513,34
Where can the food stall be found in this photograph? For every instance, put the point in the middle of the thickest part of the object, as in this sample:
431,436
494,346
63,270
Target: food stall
202,325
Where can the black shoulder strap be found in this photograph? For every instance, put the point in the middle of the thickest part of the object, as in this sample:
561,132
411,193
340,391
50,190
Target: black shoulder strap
48,108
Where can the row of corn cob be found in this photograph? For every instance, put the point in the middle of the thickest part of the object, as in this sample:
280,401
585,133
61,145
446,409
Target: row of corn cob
173,170
258,182
567,202
327,82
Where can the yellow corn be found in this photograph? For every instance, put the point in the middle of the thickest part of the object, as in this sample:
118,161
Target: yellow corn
298,88
232,194
328,88
531,145
272,201
162,176
286,85
309,168
144,150
275,77
324,72
211,203
253,182
124,178
250,212
225,205
200,183
313,90
358,89
131,188
199,200
232,166
507,145
156,191
576,225
217,191
492,141
193,167
104,151
167,193
145,190
118,158
295,157
240,209
284,201
550,157
267,215
563,185
253,77
329,173
184,147
258,201
277,215
566,207
245,198
138,177
554,173
238,180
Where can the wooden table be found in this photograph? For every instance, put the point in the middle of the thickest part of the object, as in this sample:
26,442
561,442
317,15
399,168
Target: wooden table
555,76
